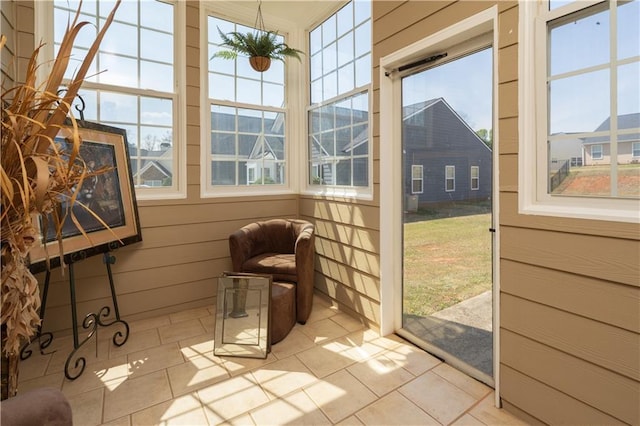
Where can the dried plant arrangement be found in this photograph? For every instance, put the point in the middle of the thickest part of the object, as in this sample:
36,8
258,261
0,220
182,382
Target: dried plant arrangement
37,175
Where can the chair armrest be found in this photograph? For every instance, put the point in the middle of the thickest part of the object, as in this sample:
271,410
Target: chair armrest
240,247
305,266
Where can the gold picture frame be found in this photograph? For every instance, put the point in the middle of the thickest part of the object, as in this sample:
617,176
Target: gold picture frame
110,195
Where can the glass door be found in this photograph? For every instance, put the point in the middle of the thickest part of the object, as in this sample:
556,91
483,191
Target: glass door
447,136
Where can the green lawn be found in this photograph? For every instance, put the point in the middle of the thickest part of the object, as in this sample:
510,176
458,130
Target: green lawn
446,261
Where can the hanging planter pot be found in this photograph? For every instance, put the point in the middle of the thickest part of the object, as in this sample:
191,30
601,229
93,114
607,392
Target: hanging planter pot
260,63
260,45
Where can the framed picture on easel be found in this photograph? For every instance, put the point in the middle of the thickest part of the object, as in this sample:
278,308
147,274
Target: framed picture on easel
105,198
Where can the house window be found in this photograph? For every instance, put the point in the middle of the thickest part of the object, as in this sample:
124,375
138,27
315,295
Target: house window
132,84
417,179
449,178
340,74
596,152
583,60
475,178
247,127
635,150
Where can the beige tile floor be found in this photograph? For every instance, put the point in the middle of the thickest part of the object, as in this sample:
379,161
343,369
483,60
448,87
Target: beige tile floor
330,371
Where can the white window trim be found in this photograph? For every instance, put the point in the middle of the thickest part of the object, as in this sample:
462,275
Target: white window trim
43,13
293,81
532,179
477,188
633,149
336,191
446,179
421,179
600,154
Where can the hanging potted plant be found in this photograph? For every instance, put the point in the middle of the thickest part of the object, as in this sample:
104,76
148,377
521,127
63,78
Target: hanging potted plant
36,175
260,46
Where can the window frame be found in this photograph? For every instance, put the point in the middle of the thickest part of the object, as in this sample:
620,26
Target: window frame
597,149
635,149
420,179
448,179
475,178
345,191
44,30
207,190
533,198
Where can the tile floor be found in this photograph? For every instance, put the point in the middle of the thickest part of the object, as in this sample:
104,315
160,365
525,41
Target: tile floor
330,371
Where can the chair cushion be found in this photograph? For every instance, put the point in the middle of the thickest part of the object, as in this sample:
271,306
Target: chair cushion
281,266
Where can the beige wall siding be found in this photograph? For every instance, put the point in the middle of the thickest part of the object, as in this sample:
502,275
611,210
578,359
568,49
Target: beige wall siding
347,248
570,300
17,23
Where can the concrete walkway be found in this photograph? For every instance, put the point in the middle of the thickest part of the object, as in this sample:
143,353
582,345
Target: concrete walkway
462,330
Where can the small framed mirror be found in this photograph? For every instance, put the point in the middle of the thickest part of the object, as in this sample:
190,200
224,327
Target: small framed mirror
243,315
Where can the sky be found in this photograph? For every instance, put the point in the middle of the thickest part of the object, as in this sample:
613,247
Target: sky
465,83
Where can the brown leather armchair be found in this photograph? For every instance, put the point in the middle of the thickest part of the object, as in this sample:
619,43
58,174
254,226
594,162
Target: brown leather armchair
283,248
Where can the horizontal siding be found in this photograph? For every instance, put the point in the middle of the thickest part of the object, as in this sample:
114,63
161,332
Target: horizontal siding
589,340
610,259
363,283
347,254
610,303
549,405
596,386
349,300
417,19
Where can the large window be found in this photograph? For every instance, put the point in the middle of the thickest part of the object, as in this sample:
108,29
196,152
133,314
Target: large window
247,145
132,83
584,100
340,74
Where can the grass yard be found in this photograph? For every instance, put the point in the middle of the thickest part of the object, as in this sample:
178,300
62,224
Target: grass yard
446,261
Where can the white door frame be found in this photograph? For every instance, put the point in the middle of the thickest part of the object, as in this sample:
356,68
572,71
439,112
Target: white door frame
391,171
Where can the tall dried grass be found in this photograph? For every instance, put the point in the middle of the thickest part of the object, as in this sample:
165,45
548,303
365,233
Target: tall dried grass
37,175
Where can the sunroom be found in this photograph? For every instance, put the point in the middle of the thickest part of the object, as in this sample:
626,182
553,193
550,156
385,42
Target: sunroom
215,145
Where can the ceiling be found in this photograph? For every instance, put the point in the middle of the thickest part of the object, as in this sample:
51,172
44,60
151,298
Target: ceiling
285,15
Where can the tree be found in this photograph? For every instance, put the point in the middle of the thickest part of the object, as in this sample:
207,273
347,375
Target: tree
486,136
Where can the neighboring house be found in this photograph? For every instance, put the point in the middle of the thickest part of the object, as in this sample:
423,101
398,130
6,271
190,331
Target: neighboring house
565,150
445,160
259,154
597,149
333,146
151,167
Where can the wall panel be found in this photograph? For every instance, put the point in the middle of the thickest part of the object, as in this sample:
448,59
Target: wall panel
589,340
549,405
608,259
612,393
607,302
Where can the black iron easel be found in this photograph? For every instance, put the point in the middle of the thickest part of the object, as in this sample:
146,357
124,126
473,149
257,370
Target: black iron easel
91,321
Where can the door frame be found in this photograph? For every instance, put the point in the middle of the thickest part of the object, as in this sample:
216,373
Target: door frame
391,168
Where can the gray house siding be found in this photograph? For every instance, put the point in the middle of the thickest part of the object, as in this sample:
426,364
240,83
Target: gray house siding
435,137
